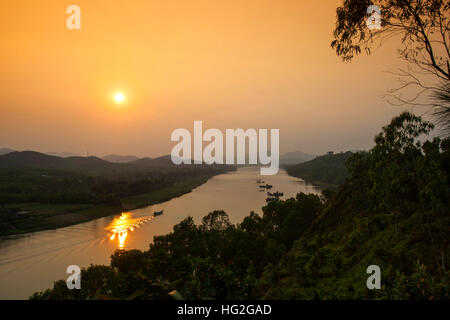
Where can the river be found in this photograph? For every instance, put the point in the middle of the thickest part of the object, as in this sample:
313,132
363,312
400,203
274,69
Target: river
33,261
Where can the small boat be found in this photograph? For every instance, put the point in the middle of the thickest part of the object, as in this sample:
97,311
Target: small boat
158,213
278,194
259,181
267,186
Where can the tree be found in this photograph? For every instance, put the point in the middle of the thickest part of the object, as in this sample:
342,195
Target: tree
424,29
441,100
216,220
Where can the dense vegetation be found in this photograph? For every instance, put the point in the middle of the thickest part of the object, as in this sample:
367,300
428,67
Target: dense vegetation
56,191
391,211
214,260
327,171
21,185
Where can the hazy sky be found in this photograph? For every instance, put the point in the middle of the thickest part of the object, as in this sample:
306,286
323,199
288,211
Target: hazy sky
232,64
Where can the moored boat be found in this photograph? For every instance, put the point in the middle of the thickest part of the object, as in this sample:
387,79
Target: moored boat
158,213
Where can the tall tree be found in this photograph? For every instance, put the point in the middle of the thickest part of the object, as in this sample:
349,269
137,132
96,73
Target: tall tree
423,26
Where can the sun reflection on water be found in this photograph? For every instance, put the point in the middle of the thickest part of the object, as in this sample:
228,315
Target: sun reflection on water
121,226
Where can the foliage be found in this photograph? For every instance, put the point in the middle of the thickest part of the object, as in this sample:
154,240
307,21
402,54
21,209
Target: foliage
423,28
213,260
392,211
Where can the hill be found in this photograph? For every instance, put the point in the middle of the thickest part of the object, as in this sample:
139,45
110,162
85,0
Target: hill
160,162
328,171
164,161
392,212
33,159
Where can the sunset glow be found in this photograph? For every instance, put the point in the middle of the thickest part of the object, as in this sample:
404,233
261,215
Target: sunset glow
119,97
160,59
121,225
224,151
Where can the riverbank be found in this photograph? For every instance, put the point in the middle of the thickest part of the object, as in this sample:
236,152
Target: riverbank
164,194
39,217
314,182
317,183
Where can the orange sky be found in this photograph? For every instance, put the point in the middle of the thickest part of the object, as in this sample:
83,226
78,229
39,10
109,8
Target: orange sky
231,64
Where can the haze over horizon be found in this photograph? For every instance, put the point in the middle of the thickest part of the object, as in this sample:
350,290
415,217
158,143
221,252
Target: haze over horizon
252,64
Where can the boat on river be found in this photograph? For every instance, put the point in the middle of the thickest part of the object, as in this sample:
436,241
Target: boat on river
275,195
158,213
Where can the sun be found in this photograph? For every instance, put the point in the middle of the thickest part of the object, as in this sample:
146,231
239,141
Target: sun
119,97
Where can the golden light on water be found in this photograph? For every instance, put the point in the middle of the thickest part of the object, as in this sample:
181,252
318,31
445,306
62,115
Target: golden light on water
122,236
121,225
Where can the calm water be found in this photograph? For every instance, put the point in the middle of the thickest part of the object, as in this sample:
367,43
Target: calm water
31,262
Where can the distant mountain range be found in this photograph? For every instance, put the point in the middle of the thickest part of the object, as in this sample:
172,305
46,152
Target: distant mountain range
54,159
295,157
120,159
33,159
57,154
63,154
115,158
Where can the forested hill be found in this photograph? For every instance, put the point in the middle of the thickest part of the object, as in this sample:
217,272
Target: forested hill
392,211
33,159
327,171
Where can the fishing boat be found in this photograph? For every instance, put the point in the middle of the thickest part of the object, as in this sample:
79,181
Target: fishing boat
158,213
